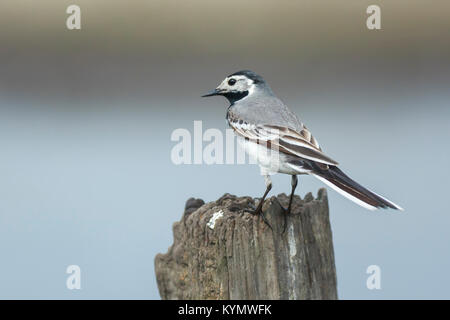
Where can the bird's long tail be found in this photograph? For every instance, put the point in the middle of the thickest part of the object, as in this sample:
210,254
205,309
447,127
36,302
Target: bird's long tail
352,190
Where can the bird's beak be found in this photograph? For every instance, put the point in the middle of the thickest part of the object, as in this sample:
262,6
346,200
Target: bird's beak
215,92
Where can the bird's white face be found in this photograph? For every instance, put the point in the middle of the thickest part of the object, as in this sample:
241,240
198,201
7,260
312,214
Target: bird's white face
236,84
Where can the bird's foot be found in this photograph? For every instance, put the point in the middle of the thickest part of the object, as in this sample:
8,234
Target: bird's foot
259,211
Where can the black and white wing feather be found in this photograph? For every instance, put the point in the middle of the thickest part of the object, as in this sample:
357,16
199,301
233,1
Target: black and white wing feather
291,142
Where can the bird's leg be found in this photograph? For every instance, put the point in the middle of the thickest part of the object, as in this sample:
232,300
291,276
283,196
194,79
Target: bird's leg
294,182
258,209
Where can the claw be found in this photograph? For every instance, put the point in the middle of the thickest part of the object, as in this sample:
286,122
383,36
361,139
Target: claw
286,212
284,221
265,220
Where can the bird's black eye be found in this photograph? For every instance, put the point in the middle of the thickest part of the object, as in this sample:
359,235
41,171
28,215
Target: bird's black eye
231,82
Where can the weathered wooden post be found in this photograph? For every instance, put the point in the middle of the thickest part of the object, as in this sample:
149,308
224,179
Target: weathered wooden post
222,252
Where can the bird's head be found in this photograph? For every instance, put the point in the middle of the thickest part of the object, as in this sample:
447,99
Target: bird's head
238,86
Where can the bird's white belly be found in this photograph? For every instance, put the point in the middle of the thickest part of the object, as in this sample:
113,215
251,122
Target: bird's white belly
270,161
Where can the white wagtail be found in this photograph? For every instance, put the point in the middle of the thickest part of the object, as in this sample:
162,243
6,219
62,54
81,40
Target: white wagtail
264,123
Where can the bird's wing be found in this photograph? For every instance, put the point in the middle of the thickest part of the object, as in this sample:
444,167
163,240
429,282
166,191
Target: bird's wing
286,140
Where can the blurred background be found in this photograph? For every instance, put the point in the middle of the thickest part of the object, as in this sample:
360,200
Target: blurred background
86,118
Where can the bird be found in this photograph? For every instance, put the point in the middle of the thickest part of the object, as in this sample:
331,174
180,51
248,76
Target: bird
275,137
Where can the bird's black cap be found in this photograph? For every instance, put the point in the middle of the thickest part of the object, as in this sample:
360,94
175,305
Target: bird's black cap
249,74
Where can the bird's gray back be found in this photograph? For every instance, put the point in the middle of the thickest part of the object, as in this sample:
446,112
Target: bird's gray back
265,108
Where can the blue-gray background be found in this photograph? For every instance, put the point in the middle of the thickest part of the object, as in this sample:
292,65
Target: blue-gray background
86,118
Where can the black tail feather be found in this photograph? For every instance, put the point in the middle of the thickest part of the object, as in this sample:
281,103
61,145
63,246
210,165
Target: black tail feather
338,178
